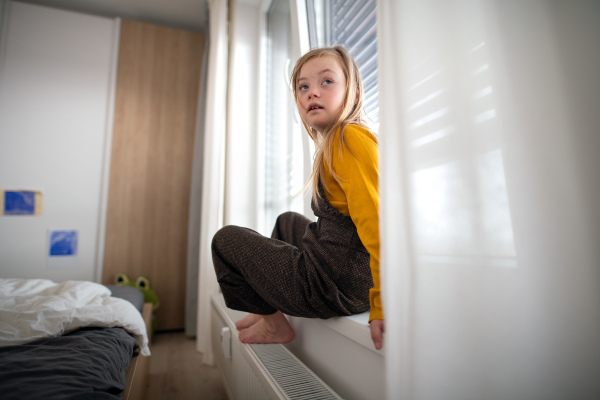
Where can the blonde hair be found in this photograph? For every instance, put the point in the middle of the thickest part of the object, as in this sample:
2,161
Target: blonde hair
350,113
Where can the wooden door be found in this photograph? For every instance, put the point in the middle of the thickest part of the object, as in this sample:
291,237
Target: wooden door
151,161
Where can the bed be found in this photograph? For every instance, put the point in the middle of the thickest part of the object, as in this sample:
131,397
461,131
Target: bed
72,340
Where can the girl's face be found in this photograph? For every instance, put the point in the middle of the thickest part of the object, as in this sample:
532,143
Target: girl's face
321,89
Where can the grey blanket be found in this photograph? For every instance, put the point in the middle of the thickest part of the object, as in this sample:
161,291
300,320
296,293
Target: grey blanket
89,363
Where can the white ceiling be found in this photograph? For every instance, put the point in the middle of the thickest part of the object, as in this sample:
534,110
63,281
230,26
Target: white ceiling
183,14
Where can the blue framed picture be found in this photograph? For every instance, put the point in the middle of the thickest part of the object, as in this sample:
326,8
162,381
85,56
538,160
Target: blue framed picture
20,202
62,249
63,243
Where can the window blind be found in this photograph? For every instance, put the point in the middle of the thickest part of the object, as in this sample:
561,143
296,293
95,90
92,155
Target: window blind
352,24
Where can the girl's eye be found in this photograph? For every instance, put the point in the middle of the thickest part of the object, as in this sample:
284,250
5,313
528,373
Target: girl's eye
303,87
327,82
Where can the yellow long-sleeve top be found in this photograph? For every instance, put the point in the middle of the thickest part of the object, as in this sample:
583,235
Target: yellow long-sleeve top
357,195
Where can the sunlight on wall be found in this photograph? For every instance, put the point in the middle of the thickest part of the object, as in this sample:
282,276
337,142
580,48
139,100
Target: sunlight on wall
490,230
461,209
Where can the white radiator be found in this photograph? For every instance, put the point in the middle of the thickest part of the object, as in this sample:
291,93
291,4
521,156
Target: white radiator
260,371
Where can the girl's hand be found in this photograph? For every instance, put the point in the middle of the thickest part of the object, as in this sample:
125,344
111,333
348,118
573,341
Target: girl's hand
377,329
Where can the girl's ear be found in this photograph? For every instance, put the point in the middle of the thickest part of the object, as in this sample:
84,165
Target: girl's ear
356,97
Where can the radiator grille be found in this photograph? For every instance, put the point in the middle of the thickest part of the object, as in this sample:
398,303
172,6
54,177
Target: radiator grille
294,378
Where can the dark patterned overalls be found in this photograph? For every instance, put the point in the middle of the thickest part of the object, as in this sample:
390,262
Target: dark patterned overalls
307,269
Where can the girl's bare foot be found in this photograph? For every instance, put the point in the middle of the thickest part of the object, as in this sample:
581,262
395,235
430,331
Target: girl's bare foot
273,328
247,321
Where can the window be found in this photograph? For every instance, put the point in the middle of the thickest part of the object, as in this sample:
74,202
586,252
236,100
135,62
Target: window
283,161
287,150
351,24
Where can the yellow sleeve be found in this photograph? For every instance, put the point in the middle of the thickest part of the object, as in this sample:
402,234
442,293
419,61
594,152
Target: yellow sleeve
358,196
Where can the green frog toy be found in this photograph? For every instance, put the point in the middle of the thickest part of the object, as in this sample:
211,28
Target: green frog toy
143,285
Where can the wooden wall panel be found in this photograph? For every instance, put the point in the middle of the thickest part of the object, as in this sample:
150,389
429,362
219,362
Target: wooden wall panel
151,161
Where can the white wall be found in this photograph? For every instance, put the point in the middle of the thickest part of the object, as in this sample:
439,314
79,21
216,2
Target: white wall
55,85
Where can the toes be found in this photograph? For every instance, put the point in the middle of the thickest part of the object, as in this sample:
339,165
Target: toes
243,335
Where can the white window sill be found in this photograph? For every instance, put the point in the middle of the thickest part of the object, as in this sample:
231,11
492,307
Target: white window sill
354,327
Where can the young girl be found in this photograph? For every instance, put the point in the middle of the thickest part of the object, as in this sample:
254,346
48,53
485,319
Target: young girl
314,269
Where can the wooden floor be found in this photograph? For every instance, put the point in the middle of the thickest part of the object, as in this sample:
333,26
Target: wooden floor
176,371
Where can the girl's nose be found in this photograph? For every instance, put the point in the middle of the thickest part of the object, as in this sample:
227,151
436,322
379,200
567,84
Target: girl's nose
313,93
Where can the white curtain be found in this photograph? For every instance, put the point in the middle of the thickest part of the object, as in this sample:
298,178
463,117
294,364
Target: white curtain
490,197
213,169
